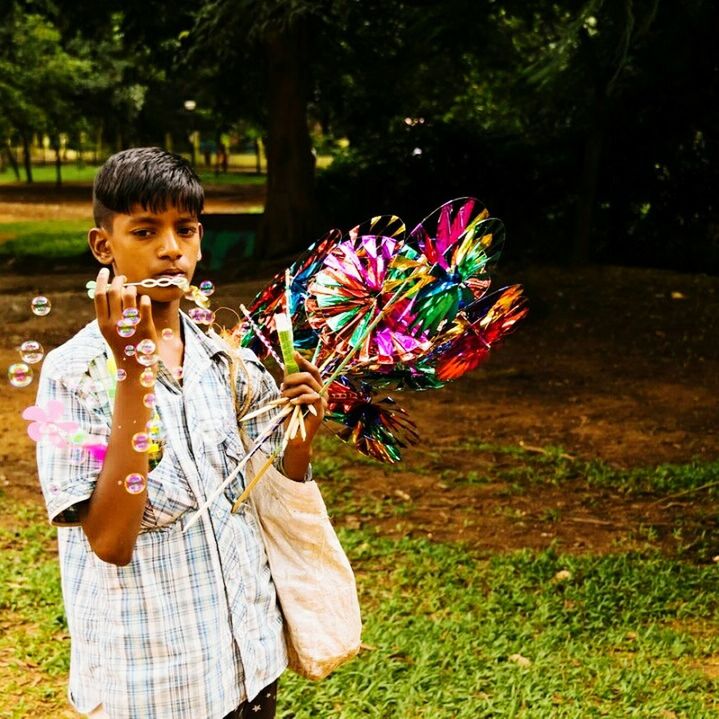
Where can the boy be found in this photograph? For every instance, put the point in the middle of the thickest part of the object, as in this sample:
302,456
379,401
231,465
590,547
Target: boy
165,623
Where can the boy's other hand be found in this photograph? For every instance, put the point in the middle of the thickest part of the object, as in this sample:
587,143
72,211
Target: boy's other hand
110,302
304,388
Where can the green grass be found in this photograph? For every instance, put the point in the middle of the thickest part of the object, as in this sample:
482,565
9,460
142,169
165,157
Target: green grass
453,634
44,238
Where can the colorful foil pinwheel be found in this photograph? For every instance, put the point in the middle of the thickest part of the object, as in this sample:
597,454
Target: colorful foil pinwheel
379,310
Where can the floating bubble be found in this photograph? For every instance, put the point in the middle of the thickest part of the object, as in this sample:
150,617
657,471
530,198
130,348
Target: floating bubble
147,360
121,375
178,373
129,350
40,306
167,333
125,328
146,347
141,442
149,400
201,316
131,314
31,352
134,483
207,288
147,378
19,374
197,314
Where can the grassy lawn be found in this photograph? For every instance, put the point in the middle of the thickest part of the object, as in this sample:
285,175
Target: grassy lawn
450,633
43,238
242,172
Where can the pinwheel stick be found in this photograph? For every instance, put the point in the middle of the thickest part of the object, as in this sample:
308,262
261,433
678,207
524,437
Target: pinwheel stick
240,465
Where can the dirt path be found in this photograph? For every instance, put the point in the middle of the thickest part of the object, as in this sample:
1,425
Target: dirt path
615,364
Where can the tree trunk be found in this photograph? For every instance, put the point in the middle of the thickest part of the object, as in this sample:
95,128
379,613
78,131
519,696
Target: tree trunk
288,222
10,151
58,166
26,158
258,157
581,252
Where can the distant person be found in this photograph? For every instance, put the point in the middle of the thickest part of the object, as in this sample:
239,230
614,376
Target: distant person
166,622
222,159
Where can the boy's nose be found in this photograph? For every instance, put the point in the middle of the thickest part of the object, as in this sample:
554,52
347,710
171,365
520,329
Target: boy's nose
171,247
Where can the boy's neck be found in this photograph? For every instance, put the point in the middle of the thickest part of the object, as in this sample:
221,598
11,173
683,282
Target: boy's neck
166,314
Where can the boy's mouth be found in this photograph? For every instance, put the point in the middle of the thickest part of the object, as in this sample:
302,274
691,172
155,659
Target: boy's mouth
170,273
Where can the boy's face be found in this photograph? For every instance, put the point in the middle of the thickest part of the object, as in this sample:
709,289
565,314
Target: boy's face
147,244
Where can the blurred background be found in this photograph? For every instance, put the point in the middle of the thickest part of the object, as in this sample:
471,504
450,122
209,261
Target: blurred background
592,125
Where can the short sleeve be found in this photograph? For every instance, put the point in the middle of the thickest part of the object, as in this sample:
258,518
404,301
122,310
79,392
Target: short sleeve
68,473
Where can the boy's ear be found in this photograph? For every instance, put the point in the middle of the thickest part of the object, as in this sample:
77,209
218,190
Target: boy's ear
100,245
201,231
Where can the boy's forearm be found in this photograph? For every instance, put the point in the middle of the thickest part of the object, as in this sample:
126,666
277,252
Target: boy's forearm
297,459
113,515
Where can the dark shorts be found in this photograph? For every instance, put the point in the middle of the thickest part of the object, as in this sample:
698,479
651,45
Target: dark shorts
261,707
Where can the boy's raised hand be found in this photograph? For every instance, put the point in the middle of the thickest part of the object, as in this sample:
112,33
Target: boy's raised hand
110,301
304,388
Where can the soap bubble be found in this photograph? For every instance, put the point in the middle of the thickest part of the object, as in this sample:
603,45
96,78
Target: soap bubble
31,352
125,328
147,378
149,400
201,316
207,288
134,483
40,306
146,347
121,375
129,350
147,360
19,374
167,333
132,315
141,442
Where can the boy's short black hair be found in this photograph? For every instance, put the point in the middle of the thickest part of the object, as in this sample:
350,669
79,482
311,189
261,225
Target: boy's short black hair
145,176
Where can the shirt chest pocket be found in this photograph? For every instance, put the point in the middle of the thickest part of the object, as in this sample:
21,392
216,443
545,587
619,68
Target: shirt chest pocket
168,494
221,451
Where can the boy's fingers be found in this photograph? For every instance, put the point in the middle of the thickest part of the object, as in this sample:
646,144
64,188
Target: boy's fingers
302,378
129,296
145,310
101,309
114,297
307,366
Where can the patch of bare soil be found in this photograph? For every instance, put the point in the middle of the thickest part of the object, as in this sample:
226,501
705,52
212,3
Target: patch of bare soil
614,364
41,201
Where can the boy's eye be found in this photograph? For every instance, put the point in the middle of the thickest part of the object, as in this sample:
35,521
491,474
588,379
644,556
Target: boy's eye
142,233
187,231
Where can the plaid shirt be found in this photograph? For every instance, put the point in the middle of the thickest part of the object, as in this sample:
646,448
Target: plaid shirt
191,627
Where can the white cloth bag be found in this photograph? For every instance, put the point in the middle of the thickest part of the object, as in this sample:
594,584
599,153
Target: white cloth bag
312,575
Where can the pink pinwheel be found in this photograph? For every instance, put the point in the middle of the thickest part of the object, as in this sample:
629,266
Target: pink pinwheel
46,422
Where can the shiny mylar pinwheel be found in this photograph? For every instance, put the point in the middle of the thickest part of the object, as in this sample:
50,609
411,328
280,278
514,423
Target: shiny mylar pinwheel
378,310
